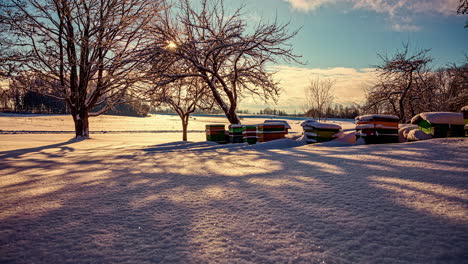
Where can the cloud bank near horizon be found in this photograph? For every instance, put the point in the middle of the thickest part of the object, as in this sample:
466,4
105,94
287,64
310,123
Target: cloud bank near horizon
349,88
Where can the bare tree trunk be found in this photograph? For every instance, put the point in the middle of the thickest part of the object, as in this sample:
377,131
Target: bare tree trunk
232,116
412,111
402,109
403,97
185,120
81,120
230,112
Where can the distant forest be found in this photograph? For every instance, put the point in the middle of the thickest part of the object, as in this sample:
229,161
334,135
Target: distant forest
24,101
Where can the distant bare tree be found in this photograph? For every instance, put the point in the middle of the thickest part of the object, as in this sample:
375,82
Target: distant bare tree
319,97
222,50
452,87
83,51
4,98
400,78
184,96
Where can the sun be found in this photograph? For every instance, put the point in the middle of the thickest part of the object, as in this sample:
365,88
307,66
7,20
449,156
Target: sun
171,45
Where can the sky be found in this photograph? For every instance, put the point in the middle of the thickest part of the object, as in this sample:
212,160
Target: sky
340,39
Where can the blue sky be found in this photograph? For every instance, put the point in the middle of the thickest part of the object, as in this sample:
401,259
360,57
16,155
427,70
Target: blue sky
341,39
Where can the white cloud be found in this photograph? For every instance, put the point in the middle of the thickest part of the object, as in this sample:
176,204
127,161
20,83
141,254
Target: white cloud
405,27
380,6
390,7
395,10
309,5
446,7
349,87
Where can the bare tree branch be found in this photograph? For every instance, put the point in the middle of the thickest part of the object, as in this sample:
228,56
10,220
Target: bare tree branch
84,51
221,49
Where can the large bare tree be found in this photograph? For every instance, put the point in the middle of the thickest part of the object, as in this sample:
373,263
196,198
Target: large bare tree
319,97
83,51
220,48
401,79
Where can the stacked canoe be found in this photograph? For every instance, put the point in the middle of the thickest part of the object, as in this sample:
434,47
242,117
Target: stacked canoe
235,133
440,124
249,134
286,125
270,131
319,132
375,129
464,111
215,133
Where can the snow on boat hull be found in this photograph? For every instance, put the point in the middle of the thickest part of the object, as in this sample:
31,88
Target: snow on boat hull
377,129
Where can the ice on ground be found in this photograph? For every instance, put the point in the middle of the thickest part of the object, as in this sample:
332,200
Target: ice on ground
439,118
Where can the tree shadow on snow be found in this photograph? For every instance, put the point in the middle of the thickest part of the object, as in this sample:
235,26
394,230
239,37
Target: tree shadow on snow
192,202
19,152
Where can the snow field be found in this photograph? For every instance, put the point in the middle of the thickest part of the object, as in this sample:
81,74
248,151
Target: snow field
149,198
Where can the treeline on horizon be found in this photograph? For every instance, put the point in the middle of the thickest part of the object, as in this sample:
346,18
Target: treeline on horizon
335,111
29,102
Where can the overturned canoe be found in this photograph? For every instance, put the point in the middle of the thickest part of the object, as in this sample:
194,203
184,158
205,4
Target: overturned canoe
249,134
377,129
315,132
270,131
286,124
235,133
215,133
440,124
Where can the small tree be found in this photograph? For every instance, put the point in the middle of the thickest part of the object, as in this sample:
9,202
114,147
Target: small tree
319,97
84,51
228,55
184,96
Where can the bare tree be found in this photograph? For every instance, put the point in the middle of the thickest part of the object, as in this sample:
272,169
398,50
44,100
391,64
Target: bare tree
401,79
463,9
4,98
184,96
451,93
84,51
222,50
319,97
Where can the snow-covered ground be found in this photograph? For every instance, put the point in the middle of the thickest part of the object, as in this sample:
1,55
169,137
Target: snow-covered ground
150,198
